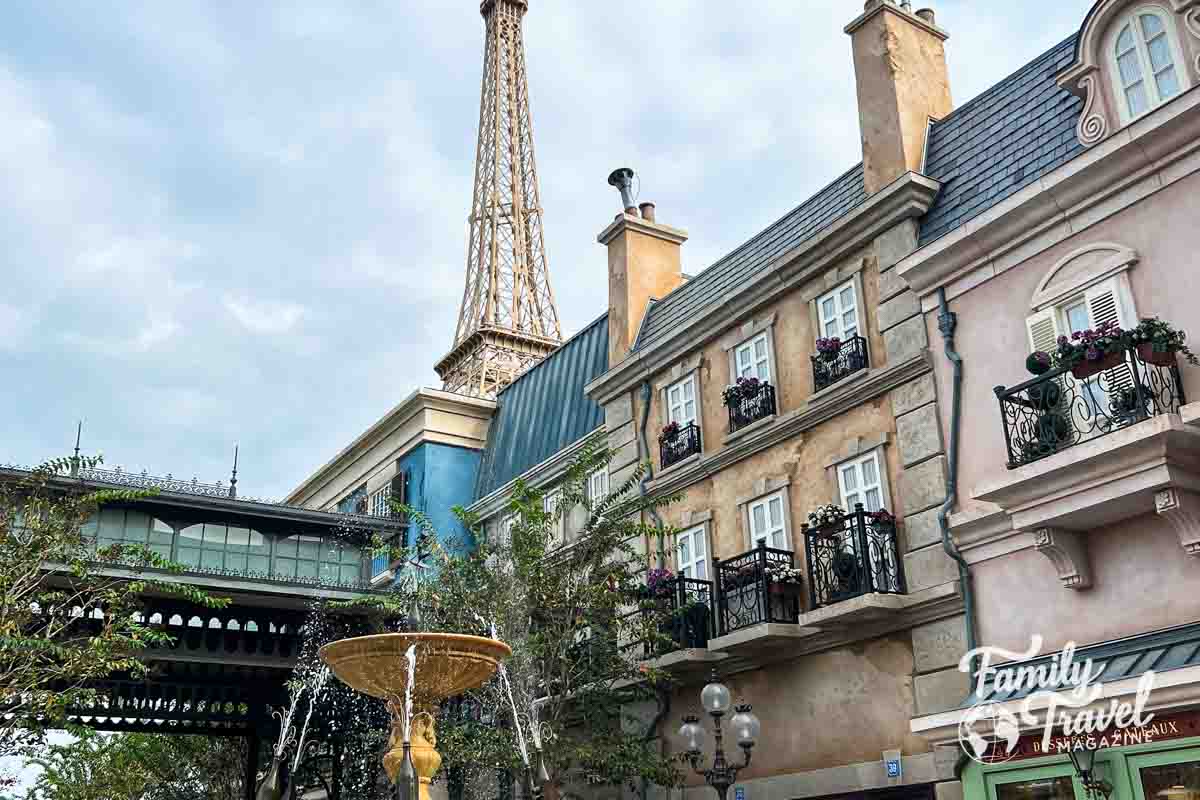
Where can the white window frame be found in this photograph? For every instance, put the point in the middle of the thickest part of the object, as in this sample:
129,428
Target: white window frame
550,503
670,406
697,533
875,456
598,484
378,504
835,294
1150,84
505,530
754,366
785,528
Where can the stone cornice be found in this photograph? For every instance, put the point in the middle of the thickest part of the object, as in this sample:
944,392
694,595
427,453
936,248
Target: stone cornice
907,197
878,381
546,471
419,401
1070,199
628,222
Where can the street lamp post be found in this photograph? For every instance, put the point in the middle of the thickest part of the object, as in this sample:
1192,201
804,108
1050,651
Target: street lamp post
716,699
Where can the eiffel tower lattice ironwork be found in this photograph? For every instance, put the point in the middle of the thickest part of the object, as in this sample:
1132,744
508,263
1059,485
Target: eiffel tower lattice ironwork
508,321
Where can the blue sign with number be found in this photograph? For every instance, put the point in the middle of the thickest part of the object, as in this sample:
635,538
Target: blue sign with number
739,793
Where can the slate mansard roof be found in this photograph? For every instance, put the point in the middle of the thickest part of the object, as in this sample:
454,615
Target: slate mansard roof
1002,141
545,410
740,266
984,151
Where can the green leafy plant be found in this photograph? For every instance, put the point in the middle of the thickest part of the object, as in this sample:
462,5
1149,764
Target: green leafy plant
55,643
1162,338
1039,362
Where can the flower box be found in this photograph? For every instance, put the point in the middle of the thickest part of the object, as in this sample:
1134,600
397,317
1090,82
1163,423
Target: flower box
1159,358
788,590
1087,368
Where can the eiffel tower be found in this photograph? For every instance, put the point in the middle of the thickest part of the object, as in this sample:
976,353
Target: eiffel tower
508,321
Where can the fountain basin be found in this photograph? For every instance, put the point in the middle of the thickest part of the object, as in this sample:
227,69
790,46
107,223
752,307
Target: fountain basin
448,664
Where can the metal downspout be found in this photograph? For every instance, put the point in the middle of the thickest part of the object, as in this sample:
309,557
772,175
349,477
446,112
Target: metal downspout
947,321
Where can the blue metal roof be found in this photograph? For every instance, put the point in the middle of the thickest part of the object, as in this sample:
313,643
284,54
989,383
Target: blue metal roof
545,410
1173,648
739,267
1002,141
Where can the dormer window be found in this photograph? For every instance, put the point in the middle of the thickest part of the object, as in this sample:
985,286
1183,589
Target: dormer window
1146,62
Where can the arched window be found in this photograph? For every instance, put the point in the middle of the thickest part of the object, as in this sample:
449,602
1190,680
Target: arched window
1146,63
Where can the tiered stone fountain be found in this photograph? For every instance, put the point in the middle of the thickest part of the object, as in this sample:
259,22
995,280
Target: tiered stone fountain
446,665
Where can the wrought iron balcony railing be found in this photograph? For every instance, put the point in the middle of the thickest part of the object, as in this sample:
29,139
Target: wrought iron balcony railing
684,610
853,557
685,443
752,409
1058,410
748,594
829,368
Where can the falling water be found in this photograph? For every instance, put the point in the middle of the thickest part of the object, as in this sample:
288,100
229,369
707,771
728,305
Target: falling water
411,656
491,626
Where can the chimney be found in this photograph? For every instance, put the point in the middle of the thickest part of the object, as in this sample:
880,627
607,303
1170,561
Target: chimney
643,264
900,72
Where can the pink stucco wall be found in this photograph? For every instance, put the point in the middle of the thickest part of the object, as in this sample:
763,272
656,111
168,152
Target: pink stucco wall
1143,578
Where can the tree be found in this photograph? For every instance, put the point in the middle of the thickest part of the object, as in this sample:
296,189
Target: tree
582,624
140,766
64,623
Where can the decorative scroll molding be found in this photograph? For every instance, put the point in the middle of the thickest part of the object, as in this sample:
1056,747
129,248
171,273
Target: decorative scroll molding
1067,551
1092,125
1181,509
1191,21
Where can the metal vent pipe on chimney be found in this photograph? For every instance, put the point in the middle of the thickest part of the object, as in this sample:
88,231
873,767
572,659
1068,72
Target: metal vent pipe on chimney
622,179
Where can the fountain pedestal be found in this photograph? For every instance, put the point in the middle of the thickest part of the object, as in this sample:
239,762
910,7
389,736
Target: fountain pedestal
447,665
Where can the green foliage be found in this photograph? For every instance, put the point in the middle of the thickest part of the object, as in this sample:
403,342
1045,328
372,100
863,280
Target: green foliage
570,611
69,615
139,766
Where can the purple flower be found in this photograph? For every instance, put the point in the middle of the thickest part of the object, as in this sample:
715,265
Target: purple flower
1092,354
1062,340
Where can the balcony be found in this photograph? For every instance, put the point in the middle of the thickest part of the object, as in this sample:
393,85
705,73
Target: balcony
686,611
748,410
854,557
835,365
748,596
1058,410
673,448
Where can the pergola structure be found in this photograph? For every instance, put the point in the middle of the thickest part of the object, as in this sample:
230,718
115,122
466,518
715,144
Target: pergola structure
226,670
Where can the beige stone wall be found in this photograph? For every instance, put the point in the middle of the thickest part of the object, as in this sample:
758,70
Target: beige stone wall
834,708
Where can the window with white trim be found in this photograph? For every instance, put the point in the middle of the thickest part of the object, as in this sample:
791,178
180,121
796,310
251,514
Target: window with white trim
379,502
691,553
837,312
752,358
1108,300
550,505
598,485
681,401
860,480
1145,61
768,522
505,531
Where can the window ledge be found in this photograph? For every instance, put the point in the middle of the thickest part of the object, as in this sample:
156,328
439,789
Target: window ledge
839,384
682,465
748,429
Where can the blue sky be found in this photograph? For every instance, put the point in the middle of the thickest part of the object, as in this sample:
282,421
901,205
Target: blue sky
245,222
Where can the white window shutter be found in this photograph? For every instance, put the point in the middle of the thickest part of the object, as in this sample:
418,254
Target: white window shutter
1043,330
1107,302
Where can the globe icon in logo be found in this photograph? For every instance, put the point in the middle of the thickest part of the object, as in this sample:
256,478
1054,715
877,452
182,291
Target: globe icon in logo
989,734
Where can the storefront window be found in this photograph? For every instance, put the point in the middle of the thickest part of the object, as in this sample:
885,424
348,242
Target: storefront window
1054,788
1171,781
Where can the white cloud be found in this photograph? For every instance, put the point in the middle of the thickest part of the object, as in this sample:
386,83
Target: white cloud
302,172
264,316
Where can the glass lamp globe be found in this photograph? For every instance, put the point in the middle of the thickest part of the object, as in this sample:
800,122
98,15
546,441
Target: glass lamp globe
692,734
715,697
746,727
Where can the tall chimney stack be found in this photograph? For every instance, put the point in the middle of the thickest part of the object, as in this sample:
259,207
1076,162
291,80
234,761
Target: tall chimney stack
902,81
643,264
